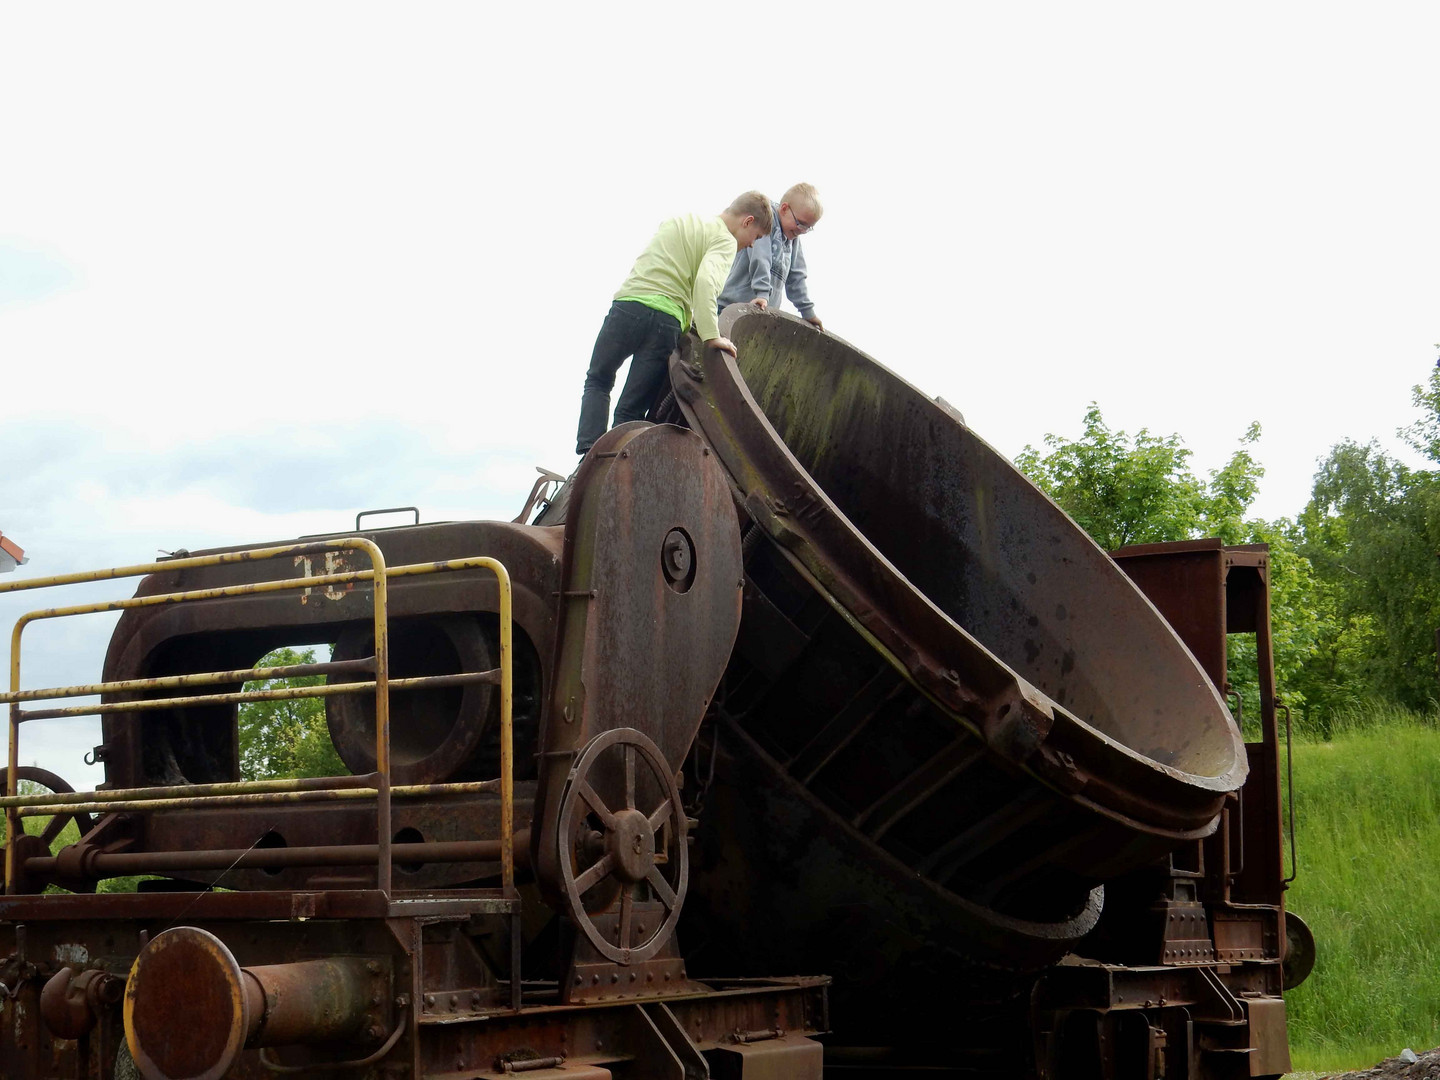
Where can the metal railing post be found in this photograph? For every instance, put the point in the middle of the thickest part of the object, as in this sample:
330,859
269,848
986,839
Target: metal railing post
507,735
384,870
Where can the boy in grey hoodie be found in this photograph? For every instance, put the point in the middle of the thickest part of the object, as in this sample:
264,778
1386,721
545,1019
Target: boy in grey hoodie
775,262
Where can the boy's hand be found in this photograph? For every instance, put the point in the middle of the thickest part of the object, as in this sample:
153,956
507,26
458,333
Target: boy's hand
724,344
761,302
816,323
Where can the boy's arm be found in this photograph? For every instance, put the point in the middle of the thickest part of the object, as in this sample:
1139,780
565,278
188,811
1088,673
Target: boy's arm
708,281
737,284
797,290
760,280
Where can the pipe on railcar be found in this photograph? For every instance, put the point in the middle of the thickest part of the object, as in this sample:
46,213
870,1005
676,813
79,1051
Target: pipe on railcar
190,1008
81,862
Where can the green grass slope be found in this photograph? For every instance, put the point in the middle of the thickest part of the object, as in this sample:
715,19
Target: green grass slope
1367,811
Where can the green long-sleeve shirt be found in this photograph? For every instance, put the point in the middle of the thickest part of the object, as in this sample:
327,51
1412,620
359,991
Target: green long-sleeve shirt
682,270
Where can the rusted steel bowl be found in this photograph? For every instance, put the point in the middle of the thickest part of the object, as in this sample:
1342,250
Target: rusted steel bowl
935,660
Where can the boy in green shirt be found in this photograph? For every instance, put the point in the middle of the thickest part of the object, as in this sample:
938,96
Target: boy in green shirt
676,278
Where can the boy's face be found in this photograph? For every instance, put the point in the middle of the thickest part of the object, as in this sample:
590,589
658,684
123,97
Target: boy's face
749,233
795,223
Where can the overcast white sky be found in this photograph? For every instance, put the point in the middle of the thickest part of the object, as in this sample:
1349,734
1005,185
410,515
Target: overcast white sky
265,265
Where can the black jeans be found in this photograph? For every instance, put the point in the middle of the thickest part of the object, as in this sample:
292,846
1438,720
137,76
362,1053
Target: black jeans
630,329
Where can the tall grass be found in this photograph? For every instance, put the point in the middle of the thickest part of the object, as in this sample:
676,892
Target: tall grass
1367,808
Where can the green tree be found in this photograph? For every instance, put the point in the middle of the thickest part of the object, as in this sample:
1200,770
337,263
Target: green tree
286,739
1118,490
1424,434
1372,532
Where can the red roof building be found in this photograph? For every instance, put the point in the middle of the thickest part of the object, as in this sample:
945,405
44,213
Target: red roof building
11,555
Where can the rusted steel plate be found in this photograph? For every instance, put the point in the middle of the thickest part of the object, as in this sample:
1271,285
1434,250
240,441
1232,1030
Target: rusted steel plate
1186,583
650,590
190,746
783,883
594,1036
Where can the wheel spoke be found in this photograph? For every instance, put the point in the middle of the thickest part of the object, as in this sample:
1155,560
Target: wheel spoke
627,909
629,752
661,887
595,874
662,812
591,796
53,828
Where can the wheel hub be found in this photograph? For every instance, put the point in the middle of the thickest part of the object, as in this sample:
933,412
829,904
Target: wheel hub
632,844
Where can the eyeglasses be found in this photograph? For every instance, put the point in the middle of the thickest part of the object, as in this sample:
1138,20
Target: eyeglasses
800,226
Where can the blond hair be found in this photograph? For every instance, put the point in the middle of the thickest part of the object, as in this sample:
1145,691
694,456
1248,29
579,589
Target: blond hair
804,195
756,203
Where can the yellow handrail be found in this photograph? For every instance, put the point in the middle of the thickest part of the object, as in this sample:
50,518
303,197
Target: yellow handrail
342,787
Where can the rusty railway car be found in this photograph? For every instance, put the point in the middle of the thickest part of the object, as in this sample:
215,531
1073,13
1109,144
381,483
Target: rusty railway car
796,733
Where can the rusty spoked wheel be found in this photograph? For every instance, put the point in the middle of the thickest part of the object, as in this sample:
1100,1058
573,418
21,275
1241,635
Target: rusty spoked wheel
38,844
45,778
621,843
